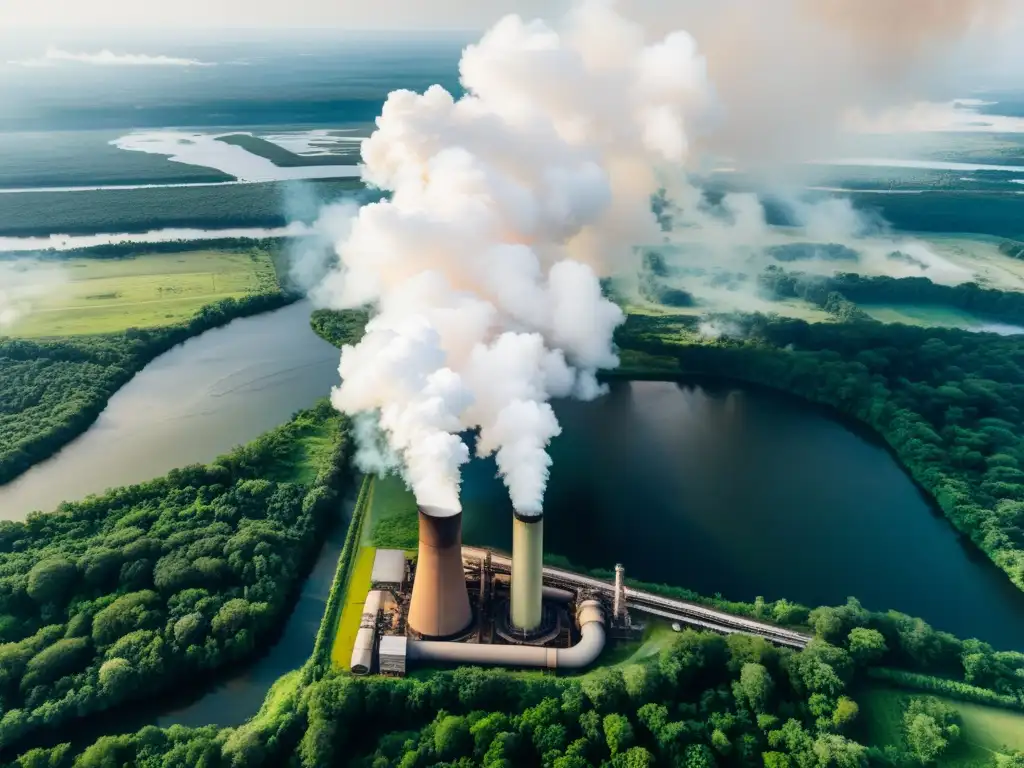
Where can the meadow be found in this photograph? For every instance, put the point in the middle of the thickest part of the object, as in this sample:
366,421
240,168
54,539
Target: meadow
147,290
924,315
986,732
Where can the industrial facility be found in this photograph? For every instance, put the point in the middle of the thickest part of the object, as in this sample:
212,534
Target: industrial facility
465,605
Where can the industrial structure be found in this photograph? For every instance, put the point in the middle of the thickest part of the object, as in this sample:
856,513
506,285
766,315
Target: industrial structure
474,606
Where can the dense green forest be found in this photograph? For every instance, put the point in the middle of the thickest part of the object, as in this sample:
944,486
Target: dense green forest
947,401
52,390
699,700
141,210
131,248
339,328
120,596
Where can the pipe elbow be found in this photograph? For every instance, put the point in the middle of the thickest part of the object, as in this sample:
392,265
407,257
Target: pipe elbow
586,651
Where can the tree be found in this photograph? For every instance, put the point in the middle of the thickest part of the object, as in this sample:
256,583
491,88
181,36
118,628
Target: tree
635,757
845,712
866,645
618,733
698,756
51,579
835,751
754,688
925,738
452,738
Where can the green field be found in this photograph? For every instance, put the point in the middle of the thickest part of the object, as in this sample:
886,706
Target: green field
985,731
282,157
926,315
392,523
355,596
107,295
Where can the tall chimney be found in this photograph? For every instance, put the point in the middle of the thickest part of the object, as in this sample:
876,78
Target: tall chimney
527,570
440,601
620,572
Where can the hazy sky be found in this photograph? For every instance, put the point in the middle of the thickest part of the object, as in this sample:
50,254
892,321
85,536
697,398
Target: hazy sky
377,14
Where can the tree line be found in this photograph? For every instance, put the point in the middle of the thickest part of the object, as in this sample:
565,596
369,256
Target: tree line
120,596
701,701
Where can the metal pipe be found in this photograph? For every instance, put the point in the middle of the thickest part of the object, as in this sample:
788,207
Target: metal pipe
590,616
558,595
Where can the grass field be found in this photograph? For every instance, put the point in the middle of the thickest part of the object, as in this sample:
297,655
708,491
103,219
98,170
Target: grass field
928,315
392,522
106,295
355,595
311,450
985,731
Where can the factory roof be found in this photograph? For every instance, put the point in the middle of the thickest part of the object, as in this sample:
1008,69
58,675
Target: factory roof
393,645
388,567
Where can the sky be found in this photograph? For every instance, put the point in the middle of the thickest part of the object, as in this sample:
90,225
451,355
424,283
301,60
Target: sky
380,14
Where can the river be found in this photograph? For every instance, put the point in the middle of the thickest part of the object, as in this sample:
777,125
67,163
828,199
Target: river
189,405
724,490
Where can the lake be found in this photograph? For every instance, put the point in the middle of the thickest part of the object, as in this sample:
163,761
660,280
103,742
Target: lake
750,493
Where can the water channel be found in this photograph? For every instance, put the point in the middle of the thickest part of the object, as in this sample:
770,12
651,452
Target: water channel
717,489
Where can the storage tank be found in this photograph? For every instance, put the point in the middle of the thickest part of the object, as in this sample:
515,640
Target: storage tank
362,649
439,606
527,570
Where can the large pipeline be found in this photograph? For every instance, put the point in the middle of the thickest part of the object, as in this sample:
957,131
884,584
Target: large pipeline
590,617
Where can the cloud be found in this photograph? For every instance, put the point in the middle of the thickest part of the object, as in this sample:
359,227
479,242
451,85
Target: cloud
107,58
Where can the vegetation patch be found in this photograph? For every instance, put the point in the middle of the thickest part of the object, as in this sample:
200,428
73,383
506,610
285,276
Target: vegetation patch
983,736
393,518
119,596
145,290
355,597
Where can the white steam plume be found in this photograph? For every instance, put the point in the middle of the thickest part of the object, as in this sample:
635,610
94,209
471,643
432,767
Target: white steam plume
22,283
483,265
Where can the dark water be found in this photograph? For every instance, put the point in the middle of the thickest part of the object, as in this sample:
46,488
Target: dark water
189,405
748,493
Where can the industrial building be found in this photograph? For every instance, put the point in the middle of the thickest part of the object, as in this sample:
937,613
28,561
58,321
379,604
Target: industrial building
474,606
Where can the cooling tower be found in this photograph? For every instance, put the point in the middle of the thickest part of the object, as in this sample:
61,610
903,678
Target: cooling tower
440,600
527,570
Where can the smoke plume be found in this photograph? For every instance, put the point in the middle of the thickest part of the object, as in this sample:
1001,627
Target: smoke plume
483,265
22,283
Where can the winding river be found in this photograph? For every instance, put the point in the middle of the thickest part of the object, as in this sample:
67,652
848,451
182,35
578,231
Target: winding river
724,490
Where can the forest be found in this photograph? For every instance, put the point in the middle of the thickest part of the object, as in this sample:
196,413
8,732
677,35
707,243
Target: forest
52,390
120,596
701,700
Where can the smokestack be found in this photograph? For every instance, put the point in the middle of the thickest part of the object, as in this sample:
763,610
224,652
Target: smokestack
620,572
440,600
527,570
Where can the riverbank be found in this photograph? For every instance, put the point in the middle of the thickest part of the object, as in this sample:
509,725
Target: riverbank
194,594
62,386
